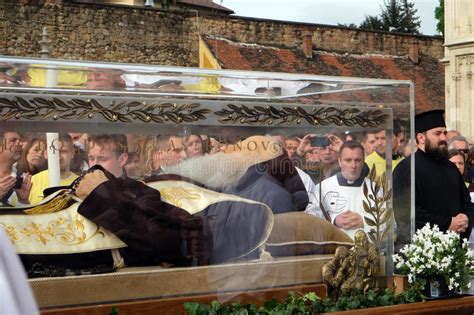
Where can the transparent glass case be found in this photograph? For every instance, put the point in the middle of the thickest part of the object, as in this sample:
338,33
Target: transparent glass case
207,180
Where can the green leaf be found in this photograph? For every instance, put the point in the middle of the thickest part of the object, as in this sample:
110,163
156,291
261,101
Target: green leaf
311,297
191,308
215,305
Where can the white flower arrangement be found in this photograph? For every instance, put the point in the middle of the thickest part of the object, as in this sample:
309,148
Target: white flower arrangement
434,254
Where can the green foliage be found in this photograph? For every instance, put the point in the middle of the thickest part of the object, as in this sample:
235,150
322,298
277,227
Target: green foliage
396,16
113,311
216,308
410,22
351,25
372,23
309,303
439,15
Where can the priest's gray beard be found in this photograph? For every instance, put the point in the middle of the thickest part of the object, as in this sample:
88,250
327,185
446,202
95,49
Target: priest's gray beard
437,153
217,171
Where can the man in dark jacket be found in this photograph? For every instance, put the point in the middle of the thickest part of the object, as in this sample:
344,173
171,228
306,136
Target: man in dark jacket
441,197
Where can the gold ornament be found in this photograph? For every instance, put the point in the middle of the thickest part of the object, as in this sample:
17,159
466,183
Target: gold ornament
352,269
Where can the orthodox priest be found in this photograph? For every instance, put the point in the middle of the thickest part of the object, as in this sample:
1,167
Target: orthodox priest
441,197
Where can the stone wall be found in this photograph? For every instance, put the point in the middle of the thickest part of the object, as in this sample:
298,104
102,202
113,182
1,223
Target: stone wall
98,32
148,35
328,38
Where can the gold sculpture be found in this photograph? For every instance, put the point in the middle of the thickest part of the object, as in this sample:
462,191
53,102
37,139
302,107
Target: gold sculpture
377,206
352,269
330,271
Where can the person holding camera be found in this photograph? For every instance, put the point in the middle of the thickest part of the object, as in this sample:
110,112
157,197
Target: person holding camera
327,147
14,188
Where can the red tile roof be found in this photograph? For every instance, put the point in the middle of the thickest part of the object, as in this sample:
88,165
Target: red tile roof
427,74
207,4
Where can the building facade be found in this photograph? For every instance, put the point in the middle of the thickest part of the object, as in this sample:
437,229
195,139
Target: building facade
150,35
459,65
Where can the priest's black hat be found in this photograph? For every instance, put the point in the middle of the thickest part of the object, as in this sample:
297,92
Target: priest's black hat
429,120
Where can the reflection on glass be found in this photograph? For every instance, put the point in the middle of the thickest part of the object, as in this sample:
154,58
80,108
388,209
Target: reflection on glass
243,183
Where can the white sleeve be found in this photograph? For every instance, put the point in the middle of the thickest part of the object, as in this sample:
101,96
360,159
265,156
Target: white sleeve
16,296
312,189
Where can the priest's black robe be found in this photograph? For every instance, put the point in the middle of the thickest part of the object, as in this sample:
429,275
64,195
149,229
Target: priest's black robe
440,194
157,232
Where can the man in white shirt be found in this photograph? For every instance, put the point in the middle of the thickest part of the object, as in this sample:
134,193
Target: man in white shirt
341,196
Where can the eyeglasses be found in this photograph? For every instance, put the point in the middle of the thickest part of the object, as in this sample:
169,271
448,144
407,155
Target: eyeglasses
466,151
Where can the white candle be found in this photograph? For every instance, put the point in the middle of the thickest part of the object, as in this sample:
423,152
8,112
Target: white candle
54,172
52,139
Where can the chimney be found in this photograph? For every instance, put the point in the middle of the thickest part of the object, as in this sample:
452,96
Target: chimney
414,53
307,44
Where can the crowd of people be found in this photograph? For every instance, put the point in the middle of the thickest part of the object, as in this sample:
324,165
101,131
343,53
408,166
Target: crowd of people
333,168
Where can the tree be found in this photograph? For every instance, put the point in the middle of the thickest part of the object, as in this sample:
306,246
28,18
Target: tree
396,16
372,23
351,25
410,22
392,16
439,15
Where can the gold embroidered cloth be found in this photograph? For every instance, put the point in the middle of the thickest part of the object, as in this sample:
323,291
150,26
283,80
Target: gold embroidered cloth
62,232
193,198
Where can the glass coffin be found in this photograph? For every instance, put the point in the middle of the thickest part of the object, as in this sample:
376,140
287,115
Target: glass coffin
181,181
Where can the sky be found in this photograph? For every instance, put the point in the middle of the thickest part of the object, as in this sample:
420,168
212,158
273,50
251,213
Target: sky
329,12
